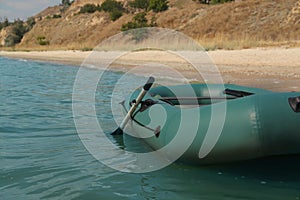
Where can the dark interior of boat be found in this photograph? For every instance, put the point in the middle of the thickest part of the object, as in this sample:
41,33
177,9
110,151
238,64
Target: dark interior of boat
204,100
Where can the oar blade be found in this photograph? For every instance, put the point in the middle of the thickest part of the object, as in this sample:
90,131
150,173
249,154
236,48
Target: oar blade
118,131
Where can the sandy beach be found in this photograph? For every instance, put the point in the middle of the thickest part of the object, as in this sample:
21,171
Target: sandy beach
277,69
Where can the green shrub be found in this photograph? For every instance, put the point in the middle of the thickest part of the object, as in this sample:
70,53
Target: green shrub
139,21
18,30
220,1
86,49
30,23
129,26
4,23
114,8
155,5
111,6
55,16
138,34
142,4
89,8
66,3
158,5
116,14
42,40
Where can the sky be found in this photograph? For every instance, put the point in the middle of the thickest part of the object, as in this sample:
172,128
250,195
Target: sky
22,9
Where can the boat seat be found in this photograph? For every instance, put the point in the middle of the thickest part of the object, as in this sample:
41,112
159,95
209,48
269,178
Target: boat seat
237,93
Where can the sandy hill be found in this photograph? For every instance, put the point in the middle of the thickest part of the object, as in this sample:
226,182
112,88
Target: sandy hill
239,24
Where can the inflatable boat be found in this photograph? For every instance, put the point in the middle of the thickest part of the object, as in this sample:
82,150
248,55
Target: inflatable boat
212,123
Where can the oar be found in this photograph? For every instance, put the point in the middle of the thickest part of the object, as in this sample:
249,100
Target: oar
147,86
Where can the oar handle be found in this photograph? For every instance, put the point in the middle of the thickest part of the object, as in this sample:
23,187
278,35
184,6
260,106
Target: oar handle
149,83
140,97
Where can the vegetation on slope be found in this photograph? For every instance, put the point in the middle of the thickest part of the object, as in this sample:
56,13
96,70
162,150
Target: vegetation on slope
114,8
83,24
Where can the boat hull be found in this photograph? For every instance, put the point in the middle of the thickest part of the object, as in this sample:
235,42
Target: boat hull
219,129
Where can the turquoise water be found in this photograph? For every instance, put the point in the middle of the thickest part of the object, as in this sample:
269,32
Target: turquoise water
42,157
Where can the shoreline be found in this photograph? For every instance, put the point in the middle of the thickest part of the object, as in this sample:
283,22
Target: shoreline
277,69
60,56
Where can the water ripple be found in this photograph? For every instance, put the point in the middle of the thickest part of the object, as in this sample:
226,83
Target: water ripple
42,157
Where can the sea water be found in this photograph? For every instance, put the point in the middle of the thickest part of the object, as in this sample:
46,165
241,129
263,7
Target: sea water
42,156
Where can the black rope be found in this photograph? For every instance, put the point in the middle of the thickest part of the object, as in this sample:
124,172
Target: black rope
135,113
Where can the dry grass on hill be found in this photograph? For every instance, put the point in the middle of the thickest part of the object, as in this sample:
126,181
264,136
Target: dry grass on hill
243,24
235,25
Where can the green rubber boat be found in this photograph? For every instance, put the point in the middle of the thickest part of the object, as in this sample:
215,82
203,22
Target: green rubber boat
216,123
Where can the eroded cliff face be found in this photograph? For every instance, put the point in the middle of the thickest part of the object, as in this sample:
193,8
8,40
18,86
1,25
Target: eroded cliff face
3,35
72,30
7,36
